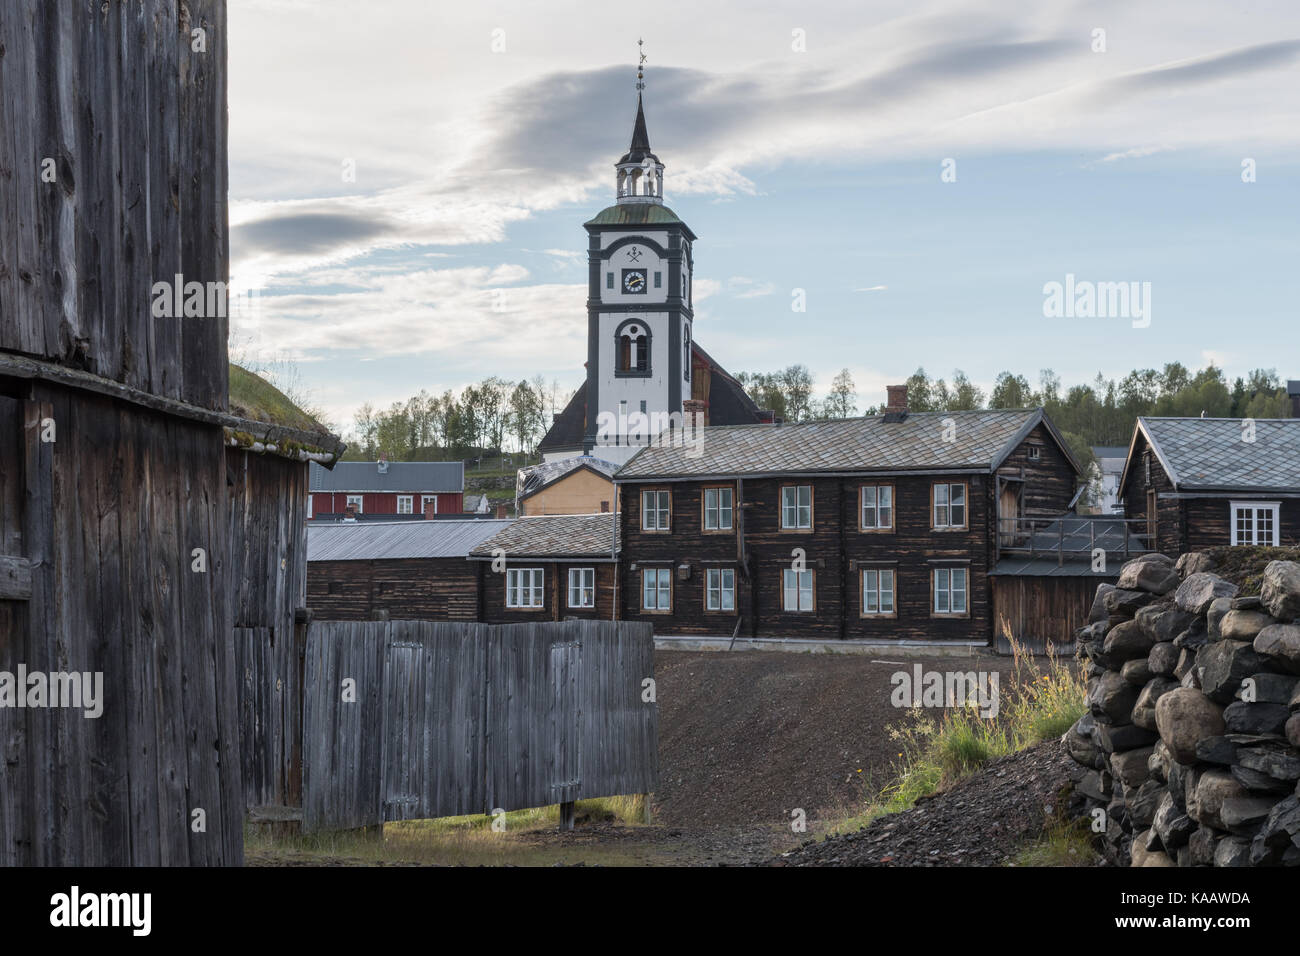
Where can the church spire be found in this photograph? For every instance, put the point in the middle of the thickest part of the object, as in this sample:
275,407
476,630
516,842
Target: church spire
640,174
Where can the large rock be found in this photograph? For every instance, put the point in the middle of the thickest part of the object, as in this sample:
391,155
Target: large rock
1293,730
1150,572
1186,662
1243,625
1224,665
1124,602
1266,688
1202,843
1281,644
1144,710
1232,851
1099,611
1078,741
1116,738
1212,788
1130,766
1245,813
1112,697
1258,782
1143,803
1159,761
1095,784
1214,614
1196,593
1162,660
1280,763
1137,671
1164,622
1280,591
1280,833
1171,824
1243,718
1127,641
1193,562
1184,716
1140,856
1219,750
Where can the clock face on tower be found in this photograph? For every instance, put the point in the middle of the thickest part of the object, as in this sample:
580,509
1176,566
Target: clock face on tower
634,281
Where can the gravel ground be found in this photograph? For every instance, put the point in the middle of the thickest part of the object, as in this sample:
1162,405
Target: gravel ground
983,820
745,737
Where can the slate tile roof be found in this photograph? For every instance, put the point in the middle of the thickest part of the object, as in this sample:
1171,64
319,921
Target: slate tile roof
870,444
1209,454
553,536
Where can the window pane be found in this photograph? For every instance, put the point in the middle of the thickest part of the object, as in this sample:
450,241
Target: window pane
869,507
958,507
724,508
959,591
870,592
728,590
805,496
805,590
887,592
790,599
648,587
788,510
941,590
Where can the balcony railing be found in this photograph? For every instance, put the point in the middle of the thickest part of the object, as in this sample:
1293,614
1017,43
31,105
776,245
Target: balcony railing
1073,537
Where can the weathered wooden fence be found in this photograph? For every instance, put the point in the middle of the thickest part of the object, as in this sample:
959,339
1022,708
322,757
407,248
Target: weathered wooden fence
416,719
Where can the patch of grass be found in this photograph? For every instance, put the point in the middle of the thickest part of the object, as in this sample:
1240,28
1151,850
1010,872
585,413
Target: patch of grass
452,841
1046,697
1244,566
252,396
1062,844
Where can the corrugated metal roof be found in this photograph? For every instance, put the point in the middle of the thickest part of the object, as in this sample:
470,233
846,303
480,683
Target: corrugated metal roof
347,541
554,536
979,439
414,476
1212,454
1048,568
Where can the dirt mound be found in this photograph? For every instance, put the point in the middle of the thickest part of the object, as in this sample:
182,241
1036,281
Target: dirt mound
983,820
747,737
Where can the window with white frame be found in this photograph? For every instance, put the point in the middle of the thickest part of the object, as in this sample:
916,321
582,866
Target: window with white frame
949,590
720,589
657,589
403,504
797,590
877,507
949,505
877,592
655,510
719,505
796,506
354,501
1255,522
582,587
524,587
427,500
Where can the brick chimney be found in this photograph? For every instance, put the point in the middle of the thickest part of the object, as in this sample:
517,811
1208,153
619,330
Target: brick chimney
693,407
896,403
430,509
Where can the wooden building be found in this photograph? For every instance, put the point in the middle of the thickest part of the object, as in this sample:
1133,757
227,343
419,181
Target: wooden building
884,527
551,568
1198,483
417,570
387,490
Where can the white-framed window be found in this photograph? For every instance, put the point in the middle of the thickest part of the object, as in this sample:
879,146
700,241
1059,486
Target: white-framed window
425,500
655,510
524,587
877,592
949,505
796,507
657,589
403,504
355,500
720,589
949,590
719,508
582,587
1034,452
1256,522
797,590
877,507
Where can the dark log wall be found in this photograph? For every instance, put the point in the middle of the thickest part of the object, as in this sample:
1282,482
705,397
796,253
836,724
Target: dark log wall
835,549
1208,521
1050,480
134,120
418,589
1171,530
556,596
268,571
112,511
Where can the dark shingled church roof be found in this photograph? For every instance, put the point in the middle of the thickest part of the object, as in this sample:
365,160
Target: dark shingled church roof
640,148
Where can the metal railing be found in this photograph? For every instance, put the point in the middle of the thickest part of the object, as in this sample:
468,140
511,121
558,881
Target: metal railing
1073,537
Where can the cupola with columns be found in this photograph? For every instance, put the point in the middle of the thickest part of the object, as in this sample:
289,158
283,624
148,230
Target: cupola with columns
640,176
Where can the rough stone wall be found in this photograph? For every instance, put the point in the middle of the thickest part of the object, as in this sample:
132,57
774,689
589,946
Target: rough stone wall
1189,754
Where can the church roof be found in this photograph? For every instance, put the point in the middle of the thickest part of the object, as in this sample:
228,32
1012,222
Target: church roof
634,214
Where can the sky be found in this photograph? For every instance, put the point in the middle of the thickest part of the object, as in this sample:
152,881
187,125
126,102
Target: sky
409,179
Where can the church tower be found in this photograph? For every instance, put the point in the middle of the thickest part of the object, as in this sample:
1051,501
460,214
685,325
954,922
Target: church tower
639,316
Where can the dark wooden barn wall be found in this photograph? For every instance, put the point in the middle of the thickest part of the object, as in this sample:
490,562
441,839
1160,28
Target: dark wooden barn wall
1038,610
268,561
1171,529
1050,480
135,122
555,597
421,589
111,514
1208,521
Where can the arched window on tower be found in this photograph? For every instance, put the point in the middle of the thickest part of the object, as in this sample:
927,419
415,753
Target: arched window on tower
632,348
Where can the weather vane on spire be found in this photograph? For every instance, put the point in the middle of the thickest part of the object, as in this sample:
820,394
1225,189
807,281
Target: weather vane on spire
640,67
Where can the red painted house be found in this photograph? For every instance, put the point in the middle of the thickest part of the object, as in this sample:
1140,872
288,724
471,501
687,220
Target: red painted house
387,491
